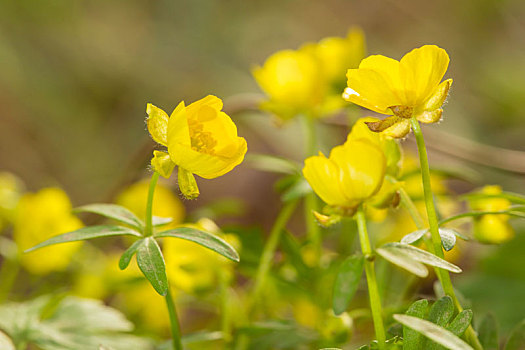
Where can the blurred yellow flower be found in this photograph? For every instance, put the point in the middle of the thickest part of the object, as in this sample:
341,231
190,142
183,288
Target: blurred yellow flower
40,216
402,89
309,80
353,173
10,193
492,228
193,268
201,140
165,202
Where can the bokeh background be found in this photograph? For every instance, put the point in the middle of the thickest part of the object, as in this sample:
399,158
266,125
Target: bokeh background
75,77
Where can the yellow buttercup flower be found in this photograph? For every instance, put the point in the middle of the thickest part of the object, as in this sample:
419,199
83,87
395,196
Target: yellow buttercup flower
293,81
39,217
492,228
309,80
353,173
201,140
403,89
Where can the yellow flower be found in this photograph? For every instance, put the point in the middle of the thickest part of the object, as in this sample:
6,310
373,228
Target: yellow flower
353,173
165,203
492,228
293,81
336,55
193,268
10,193
309,80
201,140
39,217
402,89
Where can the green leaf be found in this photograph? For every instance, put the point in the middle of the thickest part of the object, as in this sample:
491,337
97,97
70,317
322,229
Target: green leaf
421,256
5,342
273,164
412,340
448,238
413,237
346,282
488,333
158,221
112,211
203,238
126,257
460,323
433,332
151,263
86,233
516,339
397,257
441,312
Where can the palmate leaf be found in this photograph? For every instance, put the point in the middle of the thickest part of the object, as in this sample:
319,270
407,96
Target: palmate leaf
413,340
86,233
160,221
203,238
112,211
151,263
400,259
346,282
448,237
434,332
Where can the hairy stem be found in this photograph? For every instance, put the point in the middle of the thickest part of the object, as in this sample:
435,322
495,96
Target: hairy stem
148,230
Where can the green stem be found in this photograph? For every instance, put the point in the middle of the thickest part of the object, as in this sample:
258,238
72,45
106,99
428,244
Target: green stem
270,247
174,321
409,205
311,203
433,223
148,230
373,290
482,213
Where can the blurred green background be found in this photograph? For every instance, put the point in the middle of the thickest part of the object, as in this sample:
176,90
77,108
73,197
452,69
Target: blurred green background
75,77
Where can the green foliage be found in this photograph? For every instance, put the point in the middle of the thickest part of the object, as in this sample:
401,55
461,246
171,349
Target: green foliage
346,282
516,339
67,323
488,333
112,211
436,324
411,258
151,263
204,239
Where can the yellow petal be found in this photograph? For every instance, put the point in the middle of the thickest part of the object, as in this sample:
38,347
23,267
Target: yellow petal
162,164
178,131
157,124
210,101
363,167
421,70
492,229
371,88
206,165
324,177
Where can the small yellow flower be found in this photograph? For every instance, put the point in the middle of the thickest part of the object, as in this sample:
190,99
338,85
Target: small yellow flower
201,140
402,89
39,217
309,80
492,228
353,173
293,81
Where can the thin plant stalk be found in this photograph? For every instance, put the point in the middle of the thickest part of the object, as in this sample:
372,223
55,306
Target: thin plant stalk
373,290
433,223
148,231
311,202
270,247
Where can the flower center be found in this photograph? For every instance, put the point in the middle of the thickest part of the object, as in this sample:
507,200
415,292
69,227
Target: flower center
201,141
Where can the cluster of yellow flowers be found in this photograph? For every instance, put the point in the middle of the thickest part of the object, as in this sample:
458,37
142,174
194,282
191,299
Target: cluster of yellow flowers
309,80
